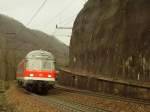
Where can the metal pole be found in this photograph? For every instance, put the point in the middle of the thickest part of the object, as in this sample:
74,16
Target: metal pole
58,27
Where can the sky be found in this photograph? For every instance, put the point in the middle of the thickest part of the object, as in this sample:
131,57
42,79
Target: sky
60,12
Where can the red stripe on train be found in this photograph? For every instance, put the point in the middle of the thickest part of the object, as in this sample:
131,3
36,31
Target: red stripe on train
38,73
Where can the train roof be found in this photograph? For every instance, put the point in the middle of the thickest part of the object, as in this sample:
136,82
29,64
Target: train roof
40,54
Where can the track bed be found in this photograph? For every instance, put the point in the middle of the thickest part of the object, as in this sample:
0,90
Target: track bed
64,100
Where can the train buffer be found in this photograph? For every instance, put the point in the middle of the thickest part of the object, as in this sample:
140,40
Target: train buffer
2,86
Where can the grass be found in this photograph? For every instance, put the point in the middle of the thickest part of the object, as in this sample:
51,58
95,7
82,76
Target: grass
2,102
4,107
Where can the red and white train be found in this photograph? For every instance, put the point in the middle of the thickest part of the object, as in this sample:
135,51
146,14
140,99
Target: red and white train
36,72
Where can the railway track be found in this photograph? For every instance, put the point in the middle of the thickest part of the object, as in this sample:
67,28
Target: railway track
69,106
101,95
63,104
60,102
66,105
126,90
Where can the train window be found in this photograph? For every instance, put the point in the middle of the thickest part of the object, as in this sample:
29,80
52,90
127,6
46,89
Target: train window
40,64
34,64
47,64
19,71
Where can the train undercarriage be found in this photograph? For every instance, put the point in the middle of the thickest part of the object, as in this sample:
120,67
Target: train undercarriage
39,87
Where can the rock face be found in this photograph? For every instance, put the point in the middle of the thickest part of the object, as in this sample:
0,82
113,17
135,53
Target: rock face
112,38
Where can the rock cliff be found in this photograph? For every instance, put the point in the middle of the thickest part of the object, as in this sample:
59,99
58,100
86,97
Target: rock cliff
112,38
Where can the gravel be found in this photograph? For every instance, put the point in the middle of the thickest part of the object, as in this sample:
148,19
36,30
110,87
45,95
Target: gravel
24,102
104,103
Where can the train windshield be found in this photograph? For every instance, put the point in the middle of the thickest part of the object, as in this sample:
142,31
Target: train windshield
38,64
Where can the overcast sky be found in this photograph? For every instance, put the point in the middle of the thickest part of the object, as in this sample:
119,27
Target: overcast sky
61,12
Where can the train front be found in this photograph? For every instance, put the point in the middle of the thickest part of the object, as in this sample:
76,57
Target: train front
40,71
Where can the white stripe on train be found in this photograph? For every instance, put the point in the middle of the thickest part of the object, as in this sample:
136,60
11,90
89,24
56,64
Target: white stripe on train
36,78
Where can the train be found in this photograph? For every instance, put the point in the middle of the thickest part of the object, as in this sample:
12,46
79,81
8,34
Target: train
36,72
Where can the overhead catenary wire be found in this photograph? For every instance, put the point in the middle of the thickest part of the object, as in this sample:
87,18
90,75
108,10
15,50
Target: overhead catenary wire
62,24
29,22
36,13
21,29
59,13
67,20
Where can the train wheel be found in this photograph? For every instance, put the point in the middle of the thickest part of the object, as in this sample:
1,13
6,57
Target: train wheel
19,83
44,90
29,87
51,86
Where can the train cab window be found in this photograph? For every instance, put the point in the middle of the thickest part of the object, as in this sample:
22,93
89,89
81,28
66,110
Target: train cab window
33,64
40,64
47,64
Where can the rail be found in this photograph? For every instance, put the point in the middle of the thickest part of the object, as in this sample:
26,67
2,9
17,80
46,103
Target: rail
101,95
69,106
65,105
99,83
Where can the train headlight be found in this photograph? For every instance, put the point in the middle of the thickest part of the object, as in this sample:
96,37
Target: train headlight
31,75
49,76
